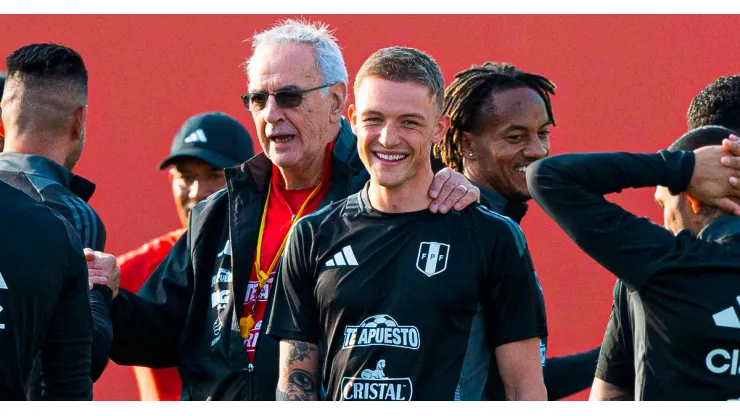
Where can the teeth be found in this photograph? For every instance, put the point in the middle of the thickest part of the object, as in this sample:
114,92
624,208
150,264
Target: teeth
390,157
282,139
522,169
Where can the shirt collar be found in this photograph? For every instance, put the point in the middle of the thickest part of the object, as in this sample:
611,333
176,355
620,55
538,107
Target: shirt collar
39,165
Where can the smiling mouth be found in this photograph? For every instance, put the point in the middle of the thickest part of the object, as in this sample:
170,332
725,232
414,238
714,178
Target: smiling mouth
390,157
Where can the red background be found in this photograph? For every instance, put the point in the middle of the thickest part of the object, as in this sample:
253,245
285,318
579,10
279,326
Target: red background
624,83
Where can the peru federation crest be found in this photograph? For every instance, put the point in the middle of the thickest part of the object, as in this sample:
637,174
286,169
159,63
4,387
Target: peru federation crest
432,258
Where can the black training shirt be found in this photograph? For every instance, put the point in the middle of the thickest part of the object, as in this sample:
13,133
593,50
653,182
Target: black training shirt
44,306
676,311
406,306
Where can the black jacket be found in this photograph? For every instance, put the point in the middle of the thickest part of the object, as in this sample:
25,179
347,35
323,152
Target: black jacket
43,304
170,322
66,193
566,375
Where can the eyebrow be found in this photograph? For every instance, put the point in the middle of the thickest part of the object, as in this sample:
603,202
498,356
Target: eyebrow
518,127
290,87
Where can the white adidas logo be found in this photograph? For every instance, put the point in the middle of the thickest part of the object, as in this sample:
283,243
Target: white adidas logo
728,317
343,258
196,136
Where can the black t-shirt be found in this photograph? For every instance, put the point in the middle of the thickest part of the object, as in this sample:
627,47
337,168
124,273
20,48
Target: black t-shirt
406,306
44,306
674,333
616,359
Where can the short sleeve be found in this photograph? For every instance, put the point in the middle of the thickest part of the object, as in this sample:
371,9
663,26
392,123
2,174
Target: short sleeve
294,314
616,358
513,303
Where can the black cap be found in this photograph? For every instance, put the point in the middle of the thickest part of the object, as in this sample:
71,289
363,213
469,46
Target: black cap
215,138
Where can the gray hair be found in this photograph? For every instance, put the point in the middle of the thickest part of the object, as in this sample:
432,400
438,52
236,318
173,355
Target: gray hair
327,53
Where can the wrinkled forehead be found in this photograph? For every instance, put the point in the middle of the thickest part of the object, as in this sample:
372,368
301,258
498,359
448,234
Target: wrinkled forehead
277,65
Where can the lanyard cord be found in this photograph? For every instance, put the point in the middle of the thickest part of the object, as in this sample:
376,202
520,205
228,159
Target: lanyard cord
247,323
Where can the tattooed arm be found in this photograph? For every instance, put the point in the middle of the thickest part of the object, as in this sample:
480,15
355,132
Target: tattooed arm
601,390
299,371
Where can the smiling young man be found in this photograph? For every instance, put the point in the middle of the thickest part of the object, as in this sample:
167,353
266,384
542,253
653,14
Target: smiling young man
379,299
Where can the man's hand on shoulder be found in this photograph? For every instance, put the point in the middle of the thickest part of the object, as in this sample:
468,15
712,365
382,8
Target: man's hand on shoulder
451,189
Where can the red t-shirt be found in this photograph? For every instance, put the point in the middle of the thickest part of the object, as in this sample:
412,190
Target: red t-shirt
137,265
282,206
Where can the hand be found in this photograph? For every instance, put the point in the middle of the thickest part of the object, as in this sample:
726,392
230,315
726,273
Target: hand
714,184
451,188
732,145
103,270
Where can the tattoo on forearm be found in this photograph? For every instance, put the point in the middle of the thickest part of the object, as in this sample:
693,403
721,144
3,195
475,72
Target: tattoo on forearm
301,387
297,380
301,351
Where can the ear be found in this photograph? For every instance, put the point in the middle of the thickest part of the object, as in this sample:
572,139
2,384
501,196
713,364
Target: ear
171,174
78,123
696,205
466,145
440,129
338,96
352,115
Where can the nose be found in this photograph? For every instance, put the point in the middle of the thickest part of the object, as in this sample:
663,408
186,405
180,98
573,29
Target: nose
537,148
389,136
272,112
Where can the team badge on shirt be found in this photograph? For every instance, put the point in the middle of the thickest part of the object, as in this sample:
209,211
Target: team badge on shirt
432,258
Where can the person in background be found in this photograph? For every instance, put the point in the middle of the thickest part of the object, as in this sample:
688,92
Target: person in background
203,147
717,104
501,118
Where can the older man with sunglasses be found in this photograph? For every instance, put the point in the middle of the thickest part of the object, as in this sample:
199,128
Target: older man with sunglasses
203,309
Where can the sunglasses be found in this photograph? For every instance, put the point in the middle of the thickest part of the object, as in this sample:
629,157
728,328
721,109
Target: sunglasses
256,101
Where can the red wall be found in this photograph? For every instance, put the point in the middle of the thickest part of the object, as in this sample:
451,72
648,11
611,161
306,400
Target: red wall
624,83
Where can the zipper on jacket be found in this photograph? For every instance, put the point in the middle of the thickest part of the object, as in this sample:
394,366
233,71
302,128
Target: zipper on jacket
250,370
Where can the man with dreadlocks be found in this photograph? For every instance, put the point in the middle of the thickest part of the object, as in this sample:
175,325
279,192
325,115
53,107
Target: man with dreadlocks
500,121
